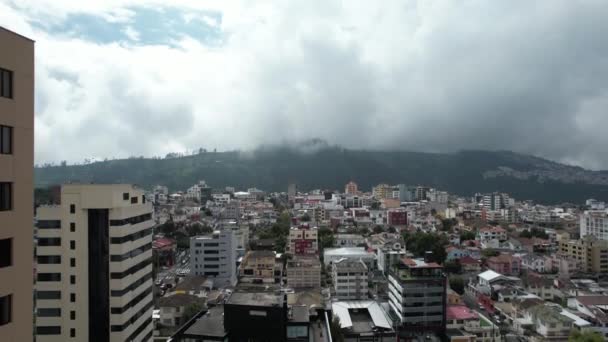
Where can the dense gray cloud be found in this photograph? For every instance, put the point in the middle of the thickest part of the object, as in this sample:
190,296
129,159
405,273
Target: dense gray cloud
416,75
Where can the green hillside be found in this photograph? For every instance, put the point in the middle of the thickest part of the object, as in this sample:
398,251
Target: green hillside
272,169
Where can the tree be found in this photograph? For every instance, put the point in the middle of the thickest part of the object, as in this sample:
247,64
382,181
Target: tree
305,218
419,243
457,284
335,330
448,224
452,267
587,336
488,253
378,229
525,234
392,230
190,311
326,238
467,235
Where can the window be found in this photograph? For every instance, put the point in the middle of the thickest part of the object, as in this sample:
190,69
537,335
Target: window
72,279
6,196
72,227
6,140
49,259
72,332
72,244
47,242
72,297
6,83
51,295
6,309
125,196
48,330
49,312
143,199
72,315
6,252
72,262
72,209
48,224
134,200
49,277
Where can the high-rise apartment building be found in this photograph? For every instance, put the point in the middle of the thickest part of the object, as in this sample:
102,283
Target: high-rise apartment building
351,188
417,295
590,252
594,223
214,256
94,265
16,186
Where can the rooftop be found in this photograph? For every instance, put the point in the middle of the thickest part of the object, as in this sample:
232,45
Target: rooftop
210,324
345,251
419,263
255,299
490,275
179,300
460,312
361,316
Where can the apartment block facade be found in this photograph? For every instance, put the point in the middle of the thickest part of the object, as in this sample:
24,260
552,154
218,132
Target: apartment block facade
302,241
94,265
350,280
417,295
589,252
594,223
214,256
303,272
16,186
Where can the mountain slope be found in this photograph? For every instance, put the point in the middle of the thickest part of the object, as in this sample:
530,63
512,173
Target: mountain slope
271,169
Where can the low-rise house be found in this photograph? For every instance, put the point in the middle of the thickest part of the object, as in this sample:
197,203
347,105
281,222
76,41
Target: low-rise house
453,297
594,309
541,286
505,263
172,308
536,263
456,253
491,233
549,322
470,264
363,320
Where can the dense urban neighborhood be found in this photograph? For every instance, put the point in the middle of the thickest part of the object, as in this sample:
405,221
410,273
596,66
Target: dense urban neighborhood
395,262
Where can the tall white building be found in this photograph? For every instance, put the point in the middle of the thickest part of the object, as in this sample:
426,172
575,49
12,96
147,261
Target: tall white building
214,256
594,223
94,265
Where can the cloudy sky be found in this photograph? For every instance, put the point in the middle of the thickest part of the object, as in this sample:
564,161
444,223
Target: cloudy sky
148,77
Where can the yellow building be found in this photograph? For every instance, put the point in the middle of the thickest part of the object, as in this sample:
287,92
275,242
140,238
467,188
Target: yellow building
589,251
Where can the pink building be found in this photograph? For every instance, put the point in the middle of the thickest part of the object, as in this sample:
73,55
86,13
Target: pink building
506,264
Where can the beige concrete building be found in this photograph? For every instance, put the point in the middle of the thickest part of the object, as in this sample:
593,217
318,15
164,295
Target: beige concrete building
259,267
304,272
302,241
94,273
590,252
16,186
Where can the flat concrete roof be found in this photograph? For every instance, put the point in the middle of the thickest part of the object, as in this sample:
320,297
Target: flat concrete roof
256,299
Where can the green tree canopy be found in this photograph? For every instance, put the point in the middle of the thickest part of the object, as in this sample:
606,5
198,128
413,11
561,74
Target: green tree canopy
587,336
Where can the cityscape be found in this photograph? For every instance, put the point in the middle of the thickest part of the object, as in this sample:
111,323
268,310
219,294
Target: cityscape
240,172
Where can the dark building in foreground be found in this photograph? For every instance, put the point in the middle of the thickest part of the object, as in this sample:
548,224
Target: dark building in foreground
417,297
249,316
